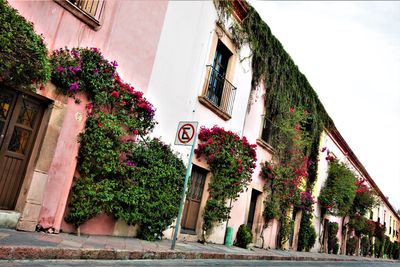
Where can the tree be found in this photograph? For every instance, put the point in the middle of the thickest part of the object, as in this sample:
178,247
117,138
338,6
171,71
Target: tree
338,193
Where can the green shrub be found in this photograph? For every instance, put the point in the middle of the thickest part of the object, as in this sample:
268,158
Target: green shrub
332,239
215,212
386,246
378,248
396,251
286,228
271,210
339,190
244,236
365,246
23,55
139,182
307,234
146,193
351,245
336,246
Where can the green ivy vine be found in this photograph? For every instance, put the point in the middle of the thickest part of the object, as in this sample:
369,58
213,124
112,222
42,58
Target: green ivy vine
285,176
286,86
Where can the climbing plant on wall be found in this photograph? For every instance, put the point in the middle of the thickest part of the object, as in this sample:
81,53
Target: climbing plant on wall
286,86
232,161
23,55
285,176
122,172
339,190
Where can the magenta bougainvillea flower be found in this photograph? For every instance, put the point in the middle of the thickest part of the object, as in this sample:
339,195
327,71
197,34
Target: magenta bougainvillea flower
74,86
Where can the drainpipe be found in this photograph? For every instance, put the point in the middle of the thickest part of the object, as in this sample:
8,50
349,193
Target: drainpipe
227,219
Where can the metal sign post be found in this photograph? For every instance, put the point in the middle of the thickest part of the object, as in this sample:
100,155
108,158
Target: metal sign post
186,135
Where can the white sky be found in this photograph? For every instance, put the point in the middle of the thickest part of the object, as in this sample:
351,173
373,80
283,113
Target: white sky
350,53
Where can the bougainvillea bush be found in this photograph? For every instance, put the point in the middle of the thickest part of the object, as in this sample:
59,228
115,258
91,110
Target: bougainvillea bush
232,161
286,174
306,201
122,172
23,54
82,69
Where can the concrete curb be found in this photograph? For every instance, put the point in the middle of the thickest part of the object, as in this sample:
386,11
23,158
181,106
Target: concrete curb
32,253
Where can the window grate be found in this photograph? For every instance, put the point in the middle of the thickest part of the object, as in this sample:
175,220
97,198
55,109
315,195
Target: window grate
92,8
220,92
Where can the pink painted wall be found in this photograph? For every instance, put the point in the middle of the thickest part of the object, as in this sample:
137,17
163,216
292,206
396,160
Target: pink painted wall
252,130
129,34
102,224
63,166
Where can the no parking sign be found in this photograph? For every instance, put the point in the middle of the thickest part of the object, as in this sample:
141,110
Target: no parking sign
185,133
185,136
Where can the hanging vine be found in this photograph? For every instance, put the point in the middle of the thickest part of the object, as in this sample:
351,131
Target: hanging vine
286,89
286,86
285,176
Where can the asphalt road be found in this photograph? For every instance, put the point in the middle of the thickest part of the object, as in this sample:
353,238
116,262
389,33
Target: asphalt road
230,263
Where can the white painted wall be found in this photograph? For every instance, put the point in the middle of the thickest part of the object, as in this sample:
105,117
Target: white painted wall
179,73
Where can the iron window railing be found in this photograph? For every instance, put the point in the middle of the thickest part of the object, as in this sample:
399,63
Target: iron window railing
93,8
89,11
220,92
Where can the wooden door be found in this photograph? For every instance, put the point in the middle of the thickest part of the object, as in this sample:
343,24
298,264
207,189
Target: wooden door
252,209
193,199
20,116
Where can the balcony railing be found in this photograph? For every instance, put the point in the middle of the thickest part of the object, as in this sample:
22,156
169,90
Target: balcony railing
89,11
220,92
93,8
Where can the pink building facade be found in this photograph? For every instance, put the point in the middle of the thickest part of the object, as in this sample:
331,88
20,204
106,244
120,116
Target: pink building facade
165,49
118,31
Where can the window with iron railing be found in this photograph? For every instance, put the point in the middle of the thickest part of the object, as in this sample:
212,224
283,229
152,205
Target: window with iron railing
219,93
89,11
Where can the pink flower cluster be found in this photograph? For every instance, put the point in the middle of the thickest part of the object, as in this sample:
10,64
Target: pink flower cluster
306,201
216,142
329,157
128,98
361,186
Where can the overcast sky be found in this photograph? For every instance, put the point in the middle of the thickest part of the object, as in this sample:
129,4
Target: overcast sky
350,53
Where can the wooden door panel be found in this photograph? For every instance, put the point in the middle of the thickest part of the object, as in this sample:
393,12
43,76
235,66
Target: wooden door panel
20,117
192,215
193,199
9,180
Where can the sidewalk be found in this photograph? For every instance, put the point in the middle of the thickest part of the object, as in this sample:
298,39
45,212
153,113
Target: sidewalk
28,245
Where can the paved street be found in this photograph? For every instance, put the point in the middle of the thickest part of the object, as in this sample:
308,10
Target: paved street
231,263
41,249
